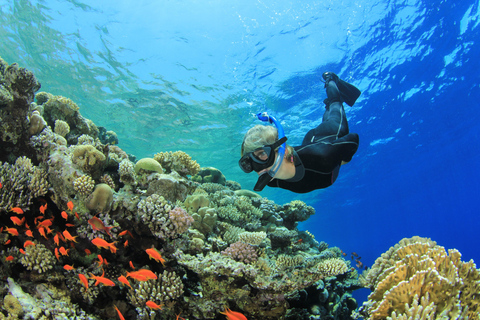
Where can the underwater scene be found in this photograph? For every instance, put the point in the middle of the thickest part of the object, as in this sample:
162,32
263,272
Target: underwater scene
123,160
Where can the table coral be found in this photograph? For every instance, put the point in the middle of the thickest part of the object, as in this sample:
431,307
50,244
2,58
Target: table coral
415,268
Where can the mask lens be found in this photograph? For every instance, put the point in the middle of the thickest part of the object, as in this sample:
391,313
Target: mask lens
261,154
245,164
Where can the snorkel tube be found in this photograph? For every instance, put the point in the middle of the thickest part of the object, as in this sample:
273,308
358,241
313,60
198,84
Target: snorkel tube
266,177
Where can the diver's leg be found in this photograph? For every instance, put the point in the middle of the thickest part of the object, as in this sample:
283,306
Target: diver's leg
334,122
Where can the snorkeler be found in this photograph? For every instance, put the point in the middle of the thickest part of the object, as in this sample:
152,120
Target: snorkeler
316,163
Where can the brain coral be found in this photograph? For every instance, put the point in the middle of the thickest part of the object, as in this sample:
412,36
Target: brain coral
89,159
101,198
417,272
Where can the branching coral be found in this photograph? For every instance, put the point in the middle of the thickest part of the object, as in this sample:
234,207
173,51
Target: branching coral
38,258
241,251
332,267
84,185
178,161
22,182
253,238
417,266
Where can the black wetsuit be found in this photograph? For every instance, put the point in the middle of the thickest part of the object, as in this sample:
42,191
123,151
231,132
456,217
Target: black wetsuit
318,159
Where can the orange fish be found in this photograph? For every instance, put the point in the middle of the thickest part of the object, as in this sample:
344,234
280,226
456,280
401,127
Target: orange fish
147,273
56,240
45,223
125,244
28,243
178,317
124,280
101,279
1,185
48,230
137,276
43,208
9,258
131,265
100,243
17,210
7,242
56,254
97,224
64,215
69,225
120,315
88,252
76,215
68,267
154,254
12,231
233,315
124,232
17,221
153,305
68,236
84,280
42,232
100,260
63,251
29,233
22,251
70,205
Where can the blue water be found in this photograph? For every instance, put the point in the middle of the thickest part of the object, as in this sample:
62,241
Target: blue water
188,75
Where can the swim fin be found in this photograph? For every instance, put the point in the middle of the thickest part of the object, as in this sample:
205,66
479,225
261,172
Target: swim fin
348,92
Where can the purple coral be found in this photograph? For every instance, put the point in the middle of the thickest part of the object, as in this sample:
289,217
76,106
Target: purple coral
241,251
180,219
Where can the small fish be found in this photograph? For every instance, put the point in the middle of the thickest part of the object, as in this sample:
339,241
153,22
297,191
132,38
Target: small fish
1,185
29,233
69,225
153,305
125,244
233,315
63,251
28,243
64,215
68,236
12,231
147,273
120,315
101,279
22,251
43,208
178,317
56,239
8,241
17,210
9,258
131,265
88,252
84,280
70,205
57,255
76,215
41,230
68,267
137,276
98,225
45,223
154,254
124,232
17,221
124,280
100,243
100,260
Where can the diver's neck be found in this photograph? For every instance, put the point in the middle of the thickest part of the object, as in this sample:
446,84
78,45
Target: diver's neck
286,171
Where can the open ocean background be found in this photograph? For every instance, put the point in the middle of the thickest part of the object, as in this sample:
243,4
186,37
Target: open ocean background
188,75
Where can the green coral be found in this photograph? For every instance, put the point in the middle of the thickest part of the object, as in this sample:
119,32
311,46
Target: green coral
210,175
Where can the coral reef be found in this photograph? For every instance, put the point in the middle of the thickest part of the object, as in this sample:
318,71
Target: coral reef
91,215
416,276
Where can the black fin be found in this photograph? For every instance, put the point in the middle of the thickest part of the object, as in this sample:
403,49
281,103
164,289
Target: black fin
348,92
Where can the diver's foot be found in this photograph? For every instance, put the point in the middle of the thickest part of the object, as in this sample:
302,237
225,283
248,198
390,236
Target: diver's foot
342,91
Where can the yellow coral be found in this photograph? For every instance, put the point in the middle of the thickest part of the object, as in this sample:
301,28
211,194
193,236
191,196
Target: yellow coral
101,198
417,273
178,161
61,128
12,305
84,185
332,267
195,202
88,158
148,164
